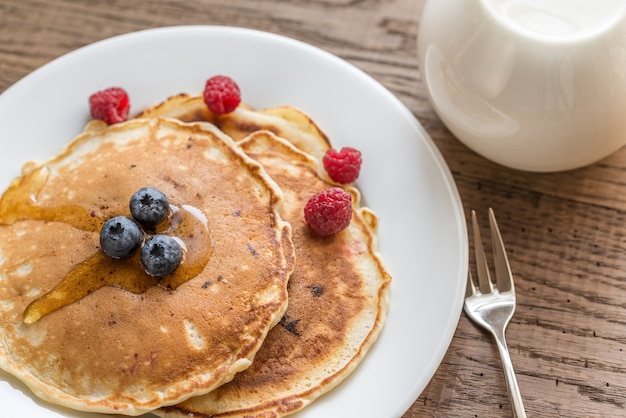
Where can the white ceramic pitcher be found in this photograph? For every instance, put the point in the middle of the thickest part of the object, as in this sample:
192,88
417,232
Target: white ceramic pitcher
537,85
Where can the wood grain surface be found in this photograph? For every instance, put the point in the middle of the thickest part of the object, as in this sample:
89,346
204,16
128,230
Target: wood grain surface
564,232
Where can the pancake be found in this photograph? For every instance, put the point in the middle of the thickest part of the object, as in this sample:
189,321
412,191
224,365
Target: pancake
284,121
96,334
338,300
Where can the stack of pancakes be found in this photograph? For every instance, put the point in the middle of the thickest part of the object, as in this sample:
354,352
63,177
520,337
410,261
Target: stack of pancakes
266,317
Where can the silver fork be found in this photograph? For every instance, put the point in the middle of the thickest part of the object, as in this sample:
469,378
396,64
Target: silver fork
491,305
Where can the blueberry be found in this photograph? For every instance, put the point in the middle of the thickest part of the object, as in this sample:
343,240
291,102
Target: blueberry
149,206
120,237
161,255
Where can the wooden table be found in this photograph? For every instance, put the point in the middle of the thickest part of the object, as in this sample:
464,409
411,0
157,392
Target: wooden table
564,232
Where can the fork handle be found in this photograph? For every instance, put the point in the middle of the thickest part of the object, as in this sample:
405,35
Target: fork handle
515,397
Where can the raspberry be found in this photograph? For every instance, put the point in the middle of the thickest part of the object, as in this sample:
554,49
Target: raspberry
343,166
110,105
221,94
329,212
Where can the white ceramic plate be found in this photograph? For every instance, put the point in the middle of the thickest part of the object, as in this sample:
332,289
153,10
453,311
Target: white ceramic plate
403,179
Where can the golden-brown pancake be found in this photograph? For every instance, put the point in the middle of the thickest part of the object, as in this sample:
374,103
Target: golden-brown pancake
108,337
338,300
285,121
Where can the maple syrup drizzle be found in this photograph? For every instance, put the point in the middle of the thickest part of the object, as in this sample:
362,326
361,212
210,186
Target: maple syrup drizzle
19,203
187,224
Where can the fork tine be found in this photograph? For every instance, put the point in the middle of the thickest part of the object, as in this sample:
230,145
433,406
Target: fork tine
470,289
504,277
482,269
